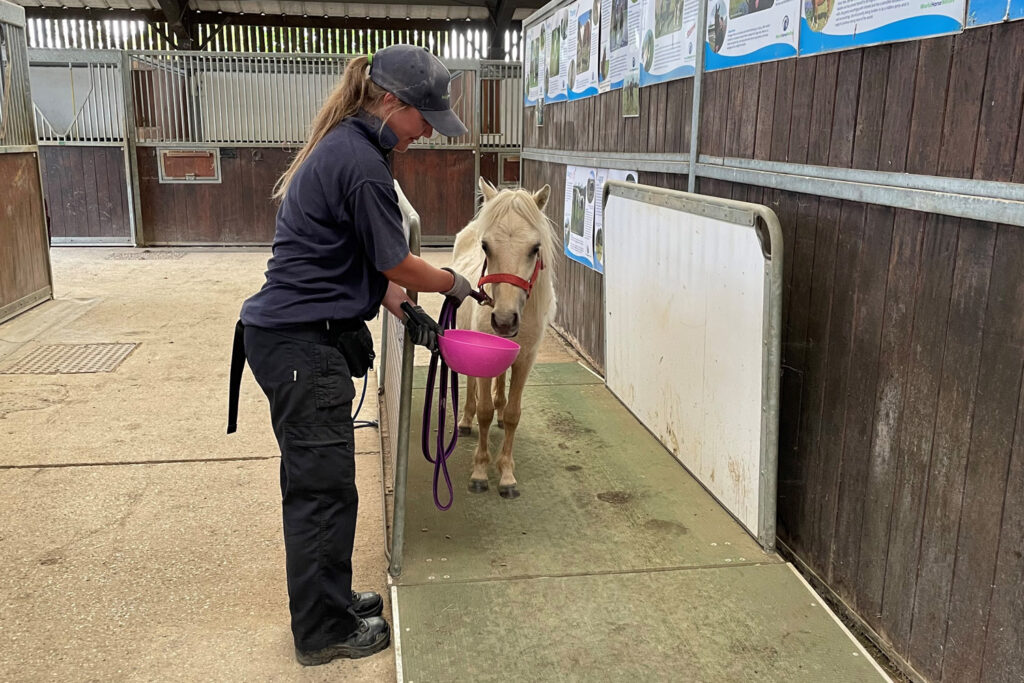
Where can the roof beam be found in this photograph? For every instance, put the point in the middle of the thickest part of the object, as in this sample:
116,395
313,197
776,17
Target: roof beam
501,12
176,15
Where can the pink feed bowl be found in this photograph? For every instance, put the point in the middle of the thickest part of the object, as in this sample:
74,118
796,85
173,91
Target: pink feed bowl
477,354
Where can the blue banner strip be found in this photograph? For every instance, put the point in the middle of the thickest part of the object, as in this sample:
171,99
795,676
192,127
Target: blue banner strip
812,42
1016,9
583,94
714,61
578,259
684,71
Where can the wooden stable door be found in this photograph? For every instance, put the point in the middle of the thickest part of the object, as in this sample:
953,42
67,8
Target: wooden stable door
25,256
441,186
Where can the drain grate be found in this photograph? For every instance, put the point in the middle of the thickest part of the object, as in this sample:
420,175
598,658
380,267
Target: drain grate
145,255
60,359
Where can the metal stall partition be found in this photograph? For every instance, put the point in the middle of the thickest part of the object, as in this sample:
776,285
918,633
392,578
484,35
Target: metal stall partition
693,303
80,115
501,122
214,131
25,276
395,377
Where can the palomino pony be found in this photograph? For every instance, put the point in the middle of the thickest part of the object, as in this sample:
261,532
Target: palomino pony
511,245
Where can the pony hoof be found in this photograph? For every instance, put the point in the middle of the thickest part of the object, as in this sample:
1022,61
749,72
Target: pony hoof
501,425
465,431
477,485
508,492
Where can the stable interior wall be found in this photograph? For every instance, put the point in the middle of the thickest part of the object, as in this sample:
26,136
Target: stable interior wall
901,463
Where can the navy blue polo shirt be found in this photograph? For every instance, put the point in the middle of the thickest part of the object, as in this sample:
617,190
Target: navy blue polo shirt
338,227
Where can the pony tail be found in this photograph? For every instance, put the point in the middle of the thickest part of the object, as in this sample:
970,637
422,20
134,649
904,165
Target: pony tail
355,91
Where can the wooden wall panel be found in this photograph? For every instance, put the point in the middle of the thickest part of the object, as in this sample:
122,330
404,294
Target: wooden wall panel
25,257
440,184
238,210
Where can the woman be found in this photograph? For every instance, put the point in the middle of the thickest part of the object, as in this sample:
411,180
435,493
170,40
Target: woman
339,253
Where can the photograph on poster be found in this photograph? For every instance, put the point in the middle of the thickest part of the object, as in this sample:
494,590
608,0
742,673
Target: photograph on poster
583,43
739,8
619,30
718,20
534,62
631,93
668,16
817,13
555,53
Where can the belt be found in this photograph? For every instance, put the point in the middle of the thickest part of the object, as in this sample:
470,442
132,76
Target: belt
322,331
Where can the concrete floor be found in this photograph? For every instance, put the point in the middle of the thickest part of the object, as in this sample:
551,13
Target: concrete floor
140,542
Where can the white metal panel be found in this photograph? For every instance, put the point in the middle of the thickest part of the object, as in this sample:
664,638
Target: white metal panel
227,98
685,306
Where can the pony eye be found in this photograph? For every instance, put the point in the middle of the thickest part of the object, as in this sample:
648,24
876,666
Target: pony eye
483,245
535,250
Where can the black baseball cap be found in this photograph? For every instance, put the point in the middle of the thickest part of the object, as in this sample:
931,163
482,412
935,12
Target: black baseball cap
419,79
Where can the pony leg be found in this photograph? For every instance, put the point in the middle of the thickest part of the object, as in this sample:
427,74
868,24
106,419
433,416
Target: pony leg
484,415
469,408
513,410
499,399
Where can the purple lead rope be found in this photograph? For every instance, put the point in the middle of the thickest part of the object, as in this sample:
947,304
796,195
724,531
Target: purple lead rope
447,322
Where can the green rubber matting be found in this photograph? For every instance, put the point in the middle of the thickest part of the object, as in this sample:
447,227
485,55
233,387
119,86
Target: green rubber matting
749,623
613,563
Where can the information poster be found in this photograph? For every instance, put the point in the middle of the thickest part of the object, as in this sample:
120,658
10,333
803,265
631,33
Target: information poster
583,222
533,64
621,20
750,31
578,221
828,25
557,61
602,176
669,44
584,21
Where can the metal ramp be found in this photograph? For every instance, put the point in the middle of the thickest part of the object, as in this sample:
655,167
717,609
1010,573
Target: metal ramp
614,565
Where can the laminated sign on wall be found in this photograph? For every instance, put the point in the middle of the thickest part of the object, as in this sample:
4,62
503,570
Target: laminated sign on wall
750,31
584,23
840,24
668,49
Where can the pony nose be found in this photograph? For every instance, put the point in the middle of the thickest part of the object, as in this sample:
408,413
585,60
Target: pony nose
505,323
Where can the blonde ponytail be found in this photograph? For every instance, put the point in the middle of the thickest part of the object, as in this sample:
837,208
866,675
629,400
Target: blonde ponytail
355,91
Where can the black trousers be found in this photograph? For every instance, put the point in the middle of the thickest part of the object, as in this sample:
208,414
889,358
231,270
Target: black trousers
310,389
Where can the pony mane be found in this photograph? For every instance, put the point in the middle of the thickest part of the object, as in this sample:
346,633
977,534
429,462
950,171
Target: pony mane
520,202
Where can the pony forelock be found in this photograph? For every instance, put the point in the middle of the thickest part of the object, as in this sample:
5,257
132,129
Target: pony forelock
520,202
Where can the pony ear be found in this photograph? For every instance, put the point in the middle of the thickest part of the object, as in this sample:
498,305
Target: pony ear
541,196
487,190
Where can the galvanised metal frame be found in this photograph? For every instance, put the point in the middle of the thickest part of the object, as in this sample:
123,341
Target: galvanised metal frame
106,112
238,114
16,119
99,110
397,386
982,200
755,217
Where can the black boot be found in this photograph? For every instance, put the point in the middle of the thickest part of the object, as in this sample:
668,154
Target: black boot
366,605
371,636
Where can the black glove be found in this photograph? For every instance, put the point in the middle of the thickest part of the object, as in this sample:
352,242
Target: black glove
421,328
461,289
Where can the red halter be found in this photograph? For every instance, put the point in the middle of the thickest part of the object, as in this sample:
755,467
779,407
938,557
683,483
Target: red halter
508,278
